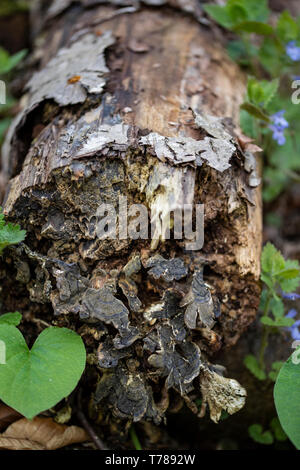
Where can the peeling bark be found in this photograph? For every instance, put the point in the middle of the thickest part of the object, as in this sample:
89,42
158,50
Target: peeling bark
137,102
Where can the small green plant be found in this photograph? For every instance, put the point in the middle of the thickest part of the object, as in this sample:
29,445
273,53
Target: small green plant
268,114
280,278
34,380
9,62
10,234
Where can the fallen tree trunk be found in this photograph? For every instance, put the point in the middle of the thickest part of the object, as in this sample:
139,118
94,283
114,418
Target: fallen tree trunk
136,101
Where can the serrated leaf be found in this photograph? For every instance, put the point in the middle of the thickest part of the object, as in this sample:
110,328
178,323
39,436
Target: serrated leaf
10,234
11,318
255,91
287,398
288,274
256,432
270,283
278,322
269,90
287,28
248,124
219,14
255,111
34,380
272,260
257,10
277,307
252,365
257,27
289,285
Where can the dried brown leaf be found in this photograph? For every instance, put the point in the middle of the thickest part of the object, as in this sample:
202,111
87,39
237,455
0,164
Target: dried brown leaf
40,434
7,416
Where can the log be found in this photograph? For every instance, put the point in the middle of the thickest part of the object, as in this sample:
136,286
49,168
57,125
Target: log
136,103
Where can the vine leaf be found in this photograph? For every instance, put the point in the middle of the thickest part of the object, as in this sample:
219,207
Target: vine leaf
34,380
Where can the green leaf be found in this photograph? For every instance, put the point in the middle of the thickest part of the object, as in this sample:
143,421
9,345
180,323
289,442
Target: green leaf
7,62
236,11
261,92
269,90
287,398
278,322
257,10
252,364
287,28
255,111
32,381
219,14
257,27
272,260
277,307
256,432
10,234
289,285
270,283
255,91
289,278
248,124
11,318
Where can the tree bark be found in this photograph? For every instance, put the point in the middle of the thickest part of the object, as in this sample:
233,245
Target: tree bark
141,101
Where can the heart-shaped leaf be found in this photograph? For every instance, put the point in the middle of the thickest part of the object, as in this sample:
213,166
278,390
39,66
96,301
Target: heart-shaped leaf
256,432
34,380
287,397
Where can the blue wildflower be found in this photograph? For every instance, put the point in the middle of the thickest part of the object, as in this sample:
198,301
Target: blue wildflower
290,295
293,51
277,127
294,329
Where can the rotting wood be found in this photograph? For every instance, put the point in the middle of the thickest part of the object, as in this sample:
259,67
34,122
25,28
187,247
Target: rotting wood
159,128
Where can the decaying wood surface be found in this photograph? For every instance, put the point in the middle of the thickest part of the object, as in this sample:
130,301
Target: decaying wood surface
138,100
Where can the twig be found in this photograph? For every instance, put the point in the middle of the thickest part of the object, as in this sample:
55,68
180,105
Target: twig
81,416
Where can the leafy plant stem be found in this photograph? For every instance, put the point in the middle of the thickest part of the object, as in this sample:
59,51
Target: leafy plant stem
266,332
